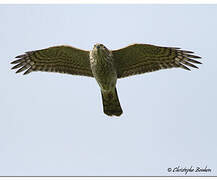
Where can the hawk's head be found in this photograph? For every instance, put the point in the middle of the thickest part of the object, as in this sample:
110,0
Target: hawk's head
100,51
99,48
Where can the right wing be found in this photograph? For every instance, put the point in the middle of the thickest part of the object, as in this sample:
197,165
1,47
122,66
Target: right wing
142,58
61,59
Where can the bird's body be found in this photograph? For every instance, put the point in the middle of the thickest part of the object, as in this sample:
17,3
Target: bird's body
102,66
104,71
105,66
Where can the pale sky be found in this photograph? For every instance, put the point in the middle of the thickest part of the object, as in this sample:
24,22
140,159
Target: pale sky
54,125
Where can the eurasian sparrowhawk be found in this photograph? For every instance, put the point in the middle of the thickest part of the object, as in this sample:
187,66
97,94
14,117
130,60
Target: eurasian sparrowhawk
106,66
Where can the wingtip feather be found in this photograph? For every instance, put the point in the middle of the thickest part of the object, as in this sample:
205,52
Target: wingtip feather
20,56
193,56
185,67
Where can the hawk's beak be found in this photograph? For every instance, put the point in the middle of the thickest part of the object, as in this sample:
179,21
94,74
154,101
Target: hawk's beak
97,46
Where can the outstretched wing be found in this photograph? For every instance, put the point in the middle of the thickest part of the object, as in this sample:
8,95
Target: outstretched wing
62,59
142,58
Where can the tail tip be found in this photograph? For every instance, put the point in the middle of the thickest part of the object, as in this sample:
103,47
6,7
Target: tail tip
113,112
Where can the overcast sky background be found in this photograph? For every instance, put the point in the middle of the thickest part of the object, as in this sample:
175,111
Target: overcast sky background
53,124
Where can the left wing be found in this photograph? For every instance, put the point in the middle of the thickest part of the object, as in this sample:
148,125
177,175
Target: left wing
61,59
142,58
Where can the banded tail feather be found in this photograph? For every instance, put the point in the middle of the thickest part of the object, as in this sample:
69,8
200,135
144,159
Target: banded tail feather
111,104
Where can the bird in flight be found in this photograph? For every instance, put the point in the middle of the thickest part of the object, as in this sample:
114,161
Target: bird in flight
105,65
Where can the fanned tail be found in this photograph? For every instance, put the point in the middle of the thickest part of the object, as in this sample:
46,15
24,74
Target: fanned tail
111,104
